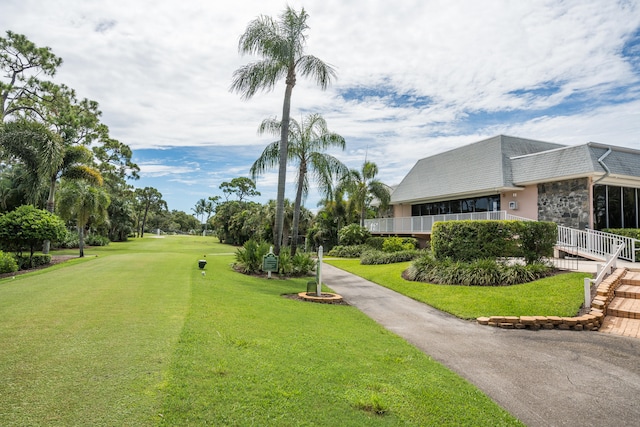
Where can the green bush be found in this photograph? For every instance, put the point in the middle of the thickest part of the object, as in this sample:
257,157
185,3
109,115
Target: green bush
96,240
396,244
471,240
8,263
625,232
303,264
69,240
285,262
352,251
375,242
26,228
536,239
249,256
25,262
353,234
371,257
480,272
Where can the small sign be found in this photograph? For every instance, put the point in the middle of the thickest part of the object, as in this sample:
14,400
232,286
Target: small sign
270,262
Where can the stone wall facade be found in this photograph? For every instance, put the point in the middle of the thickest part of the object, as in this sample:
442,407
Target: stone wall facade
565,202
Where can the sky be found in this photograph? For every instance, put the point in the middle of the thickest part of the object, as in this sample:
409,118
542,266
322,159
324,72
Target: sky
414,78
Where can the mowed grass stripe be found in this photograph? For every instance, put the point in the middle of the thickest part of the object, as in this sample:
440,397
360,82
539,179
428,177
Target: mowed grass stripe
89,344
248,356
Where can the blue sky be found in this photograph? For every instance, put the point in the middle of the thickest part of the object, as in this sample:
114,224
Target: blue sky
415,78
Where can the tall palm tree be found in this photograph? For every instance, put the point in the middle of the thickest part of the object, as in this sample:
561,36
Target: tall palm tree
363,187
80,201
307,141
281,44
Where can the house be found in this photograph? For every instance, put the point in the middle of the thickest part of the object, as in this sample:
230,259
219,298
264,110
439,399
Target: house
592,186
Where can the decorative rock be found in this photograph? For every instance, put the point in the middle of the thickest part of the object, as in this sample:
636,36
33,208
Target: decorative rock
483,320
506,325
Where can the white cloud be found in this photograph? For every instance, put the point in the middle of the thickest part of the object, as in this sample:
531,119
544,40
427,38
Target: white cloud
161,72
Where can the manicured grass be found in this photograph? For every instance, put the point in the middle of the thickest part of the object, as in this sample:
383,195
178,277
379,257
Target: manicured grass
559,295
137,336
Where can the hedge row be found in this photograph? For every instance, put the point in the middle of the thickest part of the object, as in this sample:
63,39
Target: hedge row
472,240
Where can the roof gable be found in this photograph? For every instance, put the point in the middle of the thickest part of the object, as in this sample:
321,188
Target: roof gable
483,166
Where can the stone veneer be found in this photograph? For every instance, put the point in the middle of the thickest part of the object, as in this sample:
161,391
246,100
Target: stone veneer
565,202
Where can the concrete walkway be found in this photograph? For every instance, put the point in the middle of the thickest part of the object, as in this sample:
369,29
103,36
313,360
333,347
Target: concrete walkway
544,378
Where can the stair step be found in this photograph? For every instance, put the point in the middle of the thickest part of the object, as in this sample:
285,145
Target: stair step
628,291
624,307
631,278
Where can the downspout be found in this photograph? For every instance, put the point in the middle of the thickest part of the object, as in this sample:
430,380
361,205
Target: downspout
593,184
604,166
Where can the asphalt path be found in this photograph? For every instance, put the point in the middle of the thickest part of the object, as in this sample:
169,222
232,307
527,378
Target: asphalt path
544,378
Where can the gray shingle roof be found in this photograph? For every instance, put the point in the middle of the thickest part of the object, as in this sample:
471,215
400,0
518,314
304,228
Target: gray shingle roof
575,161
481,167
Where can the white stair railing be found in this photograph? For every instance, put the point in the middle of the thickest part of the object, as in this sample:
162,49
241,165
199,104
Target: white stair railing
597,243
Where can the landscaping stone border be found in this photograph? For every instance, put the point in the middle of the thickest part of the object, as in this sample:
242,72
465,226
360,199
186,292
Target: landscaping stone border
587,322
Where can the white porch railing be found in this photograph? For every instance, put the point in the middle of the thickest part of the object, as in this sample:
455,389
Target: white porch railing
423,224
586,241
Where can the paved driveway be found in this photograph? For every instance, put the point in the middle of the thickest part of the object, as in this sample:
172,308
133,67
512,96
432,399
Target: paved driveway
544,378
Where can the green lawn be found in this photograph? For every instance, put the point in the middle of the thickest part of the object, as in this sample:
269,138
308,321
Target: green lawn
559,295
137,336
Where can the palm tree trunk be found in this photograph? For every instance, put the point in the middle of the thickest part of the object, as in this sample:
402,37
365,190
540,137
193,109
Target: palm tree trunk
282,170
81,240
51,207
296,210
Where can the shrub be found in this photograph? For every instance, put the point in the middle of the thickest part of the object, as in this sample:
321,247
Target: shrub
411,241
353,234
285,262
481,272
97,240
395,244
375,242
249,256
371,257
26,228
25,262
471,240
352,251
536,239
303,264
625,232
67,241
8,263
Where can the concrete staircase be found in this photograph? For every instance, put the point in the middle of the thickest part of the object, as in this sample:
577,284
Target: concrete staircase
623,311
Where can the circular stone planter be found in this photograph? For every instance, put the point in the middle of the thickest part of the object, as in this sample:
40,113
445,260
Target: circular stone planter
325,297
